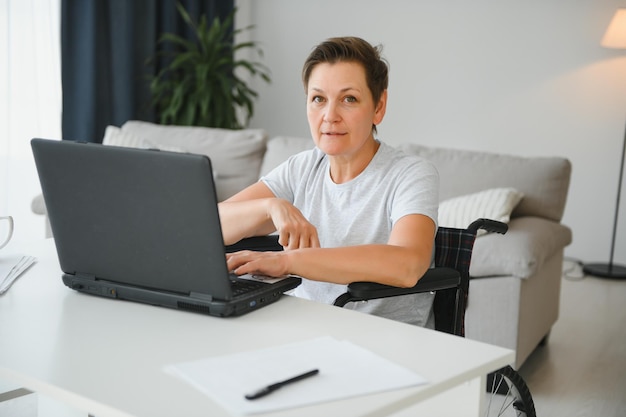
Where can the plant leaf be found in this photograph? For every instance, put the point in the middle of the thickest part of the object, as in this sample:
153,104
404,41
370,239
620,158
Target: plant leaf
198,85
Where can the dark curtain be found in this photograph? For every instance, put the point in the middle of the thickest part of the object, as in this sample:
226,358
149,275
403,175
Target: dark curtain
105,45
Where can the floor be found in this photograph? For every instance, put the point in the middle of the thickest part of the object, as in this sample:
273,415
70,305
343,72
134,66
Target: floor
582,369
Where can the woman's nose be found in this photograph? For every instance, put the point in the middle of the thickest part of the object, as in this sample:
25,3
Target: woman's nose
331,113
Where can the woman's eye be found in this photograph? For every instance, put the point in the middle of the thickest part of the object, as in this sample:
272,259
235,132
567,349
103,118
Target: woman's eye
317,99
350,99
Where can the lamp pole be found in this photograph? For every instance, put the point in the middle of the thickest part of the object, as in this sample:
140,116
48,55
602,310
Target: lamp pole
611,270
615,37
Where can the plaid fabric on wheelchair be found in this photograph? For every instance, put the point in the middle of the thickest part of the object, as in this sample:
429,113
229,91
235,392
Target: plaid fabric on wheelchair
453,249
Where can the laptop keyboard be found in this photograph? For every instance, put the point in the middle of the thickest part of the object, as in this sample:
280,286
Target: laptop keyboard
242,286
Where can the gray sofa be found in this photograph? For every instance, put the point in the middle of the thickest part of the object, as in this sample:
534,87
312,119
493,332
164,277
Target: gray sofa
515,287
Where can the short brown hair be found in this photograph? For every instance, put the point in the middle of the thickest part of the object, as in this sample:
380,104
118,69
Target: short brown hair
351,49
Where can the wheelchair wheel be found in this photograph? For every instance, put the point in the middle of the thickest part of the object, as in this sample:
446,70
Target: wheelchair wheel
508,395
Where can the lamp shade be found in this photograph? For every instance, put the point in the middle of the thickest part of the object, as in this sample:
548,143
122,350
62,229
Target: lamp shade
615,36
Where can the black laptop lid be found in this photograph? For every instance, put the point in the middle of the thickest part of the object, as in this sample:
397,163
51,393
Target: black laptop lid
142,217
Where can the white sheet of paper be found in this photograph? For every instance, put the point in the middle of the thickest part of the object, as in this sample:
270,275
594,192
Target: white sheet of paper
345,370
11,267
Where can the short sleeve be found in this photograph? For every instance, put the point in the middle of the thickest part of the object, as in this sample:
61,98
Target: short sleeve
416,191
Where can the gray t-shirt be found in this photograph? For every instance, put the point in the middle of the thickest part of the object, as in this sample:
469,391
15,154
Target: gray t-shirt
361,211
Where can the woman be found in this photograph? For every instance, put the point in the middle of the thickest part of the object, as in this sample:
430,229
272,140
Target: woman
351,209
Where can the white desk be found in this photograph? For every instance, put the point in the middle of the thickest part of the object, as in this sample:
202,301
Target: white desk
106,356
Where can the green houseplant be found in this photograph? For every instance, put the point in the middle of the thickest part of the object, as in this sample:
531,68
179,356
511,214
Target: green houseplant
199,85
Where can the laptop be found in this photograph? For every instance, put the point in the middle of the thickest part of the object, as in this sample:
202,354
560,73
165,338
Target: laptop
143,225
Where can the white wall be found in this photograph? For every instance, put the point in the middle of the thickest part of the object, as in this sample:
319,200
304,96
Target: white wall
520,77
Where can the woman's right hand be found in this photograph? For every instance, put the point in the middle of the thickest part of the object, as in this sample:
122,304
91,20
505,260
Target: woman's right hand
294,230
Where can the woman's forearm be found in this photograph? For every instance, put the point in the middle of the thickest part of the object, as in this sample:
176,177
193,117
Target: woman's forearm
386,264
241,219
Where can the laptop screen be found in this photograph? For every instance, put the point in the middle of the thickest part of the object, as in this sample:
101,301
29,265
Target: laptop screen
142,217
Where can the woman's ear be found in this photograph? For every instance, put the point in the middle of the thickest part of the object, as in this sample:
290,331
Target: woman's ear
381,108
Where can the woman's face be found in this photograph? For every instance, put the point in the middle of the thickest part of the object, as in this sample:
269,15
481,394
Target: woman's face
340,108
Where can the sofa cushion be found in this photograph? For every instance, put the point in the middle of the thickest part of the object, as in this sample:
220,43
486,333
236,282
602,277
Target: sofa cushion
544,181
236,155
280,148
494,204
520,252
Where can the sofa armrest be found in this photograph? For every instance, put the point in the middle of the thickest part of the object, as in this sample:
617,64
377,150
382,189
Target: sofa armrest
522,251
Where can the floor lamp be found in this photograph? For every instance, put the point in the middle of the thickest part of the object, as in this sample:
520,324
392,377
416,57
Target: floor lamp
615,37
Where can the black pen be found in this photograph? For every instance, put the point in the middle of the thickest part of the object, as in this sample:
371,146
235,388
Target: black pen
273,387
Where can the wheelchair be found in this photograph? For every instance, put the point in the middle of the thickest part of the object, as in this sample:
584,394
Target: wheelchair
449,279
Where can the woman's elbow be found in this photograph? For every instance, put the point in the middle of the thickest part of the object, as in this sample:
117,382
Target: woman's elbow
412,275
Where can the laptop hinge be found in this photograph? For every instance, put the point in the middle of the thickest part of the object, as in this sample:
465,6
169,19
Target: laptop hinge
201,296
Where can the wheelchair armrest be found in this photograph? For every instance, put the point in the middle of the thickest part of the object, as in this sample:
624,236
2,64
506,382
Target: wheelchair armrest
257,243
434,279
489,225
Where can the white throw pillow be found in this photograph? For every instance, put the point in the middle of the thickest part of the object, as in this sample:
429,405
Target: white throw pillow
114,136
494,204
